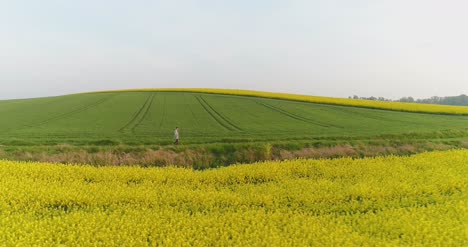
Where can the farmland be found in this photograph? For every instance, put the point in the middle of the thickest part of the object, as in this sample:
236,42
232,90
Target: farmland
400,201
372,104
151,117
220,124
366,196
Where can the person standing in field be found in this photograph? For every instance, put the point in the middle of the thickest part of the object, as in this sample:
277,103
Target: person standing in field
176,136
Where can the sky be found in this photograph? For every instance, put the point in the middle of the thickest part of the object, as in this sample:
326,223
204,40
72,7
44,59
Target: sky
338,48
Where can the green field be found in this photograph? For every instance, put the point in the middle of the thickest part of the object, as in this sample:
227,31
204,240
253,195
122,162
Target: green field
216,129
347,201
150,117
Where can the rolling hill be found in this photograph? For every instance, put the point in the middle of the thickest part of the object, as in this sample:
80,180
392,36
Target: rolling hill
149,117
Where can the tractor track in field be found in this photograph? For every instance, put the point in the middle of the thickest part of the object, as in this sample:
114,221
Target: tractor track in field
163,115
227,120
14,102
192,112
217,116
222,116
64,115
71,113
386,119
145,114
142,111
295,116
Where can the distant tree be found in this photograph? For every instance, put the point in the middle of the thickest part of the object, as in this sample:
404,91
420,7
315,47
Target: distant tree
404,99
461,100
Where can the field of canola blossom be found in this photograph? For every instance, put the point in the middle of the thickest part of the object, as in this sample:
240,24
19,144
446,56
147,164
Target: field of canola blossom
385,201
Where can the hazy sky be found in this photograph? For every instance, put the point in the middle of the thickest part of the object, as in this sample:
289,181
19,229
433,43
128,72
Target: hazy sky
389,48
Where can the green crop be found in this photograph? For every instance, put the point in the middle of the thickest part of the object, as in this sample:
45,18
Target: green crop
143,118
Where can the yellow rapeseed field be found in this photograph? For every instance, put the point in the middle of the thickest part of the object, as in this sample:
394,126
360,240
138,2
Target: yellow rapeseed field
394,106
387,201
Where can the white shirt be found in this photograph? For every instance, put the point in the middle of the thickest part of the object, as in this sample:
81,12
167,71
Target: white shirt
176,134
